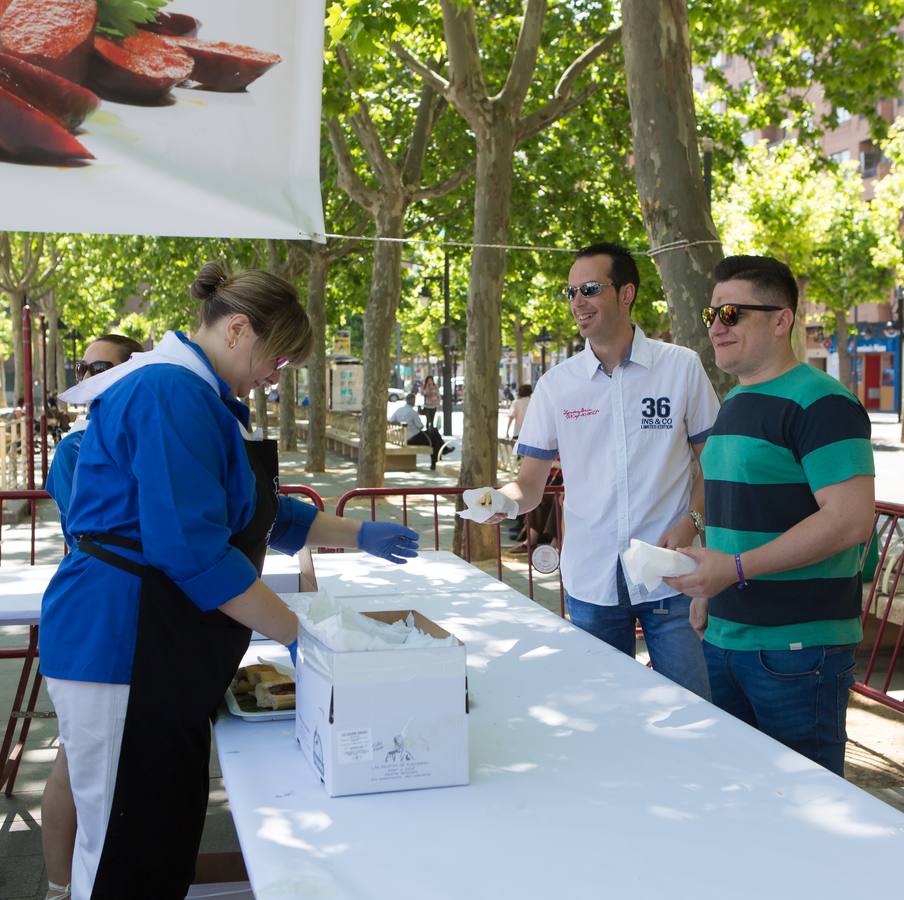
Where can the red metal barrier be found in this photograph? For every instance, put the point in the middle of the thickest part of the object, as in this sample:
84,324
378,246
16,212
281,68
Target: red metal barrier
38,495
312,495
22,711
373,494
883,612
304,491
44,448
19,715
34,496
28,389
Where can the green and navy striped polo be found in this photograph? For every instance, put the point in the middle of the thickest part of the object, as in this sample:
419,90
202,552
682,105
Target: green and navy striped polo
772,447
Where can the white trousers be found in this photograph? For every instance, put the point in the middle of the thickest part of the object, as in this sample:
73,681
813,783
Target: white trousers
91,718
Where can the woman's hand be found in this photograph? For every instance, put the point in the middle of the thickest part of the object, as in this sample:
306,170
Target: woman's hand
389,541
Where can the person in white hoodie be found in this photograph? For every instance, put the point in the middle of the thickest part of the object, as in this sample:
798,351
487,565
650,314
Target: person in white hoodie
58,820
174,505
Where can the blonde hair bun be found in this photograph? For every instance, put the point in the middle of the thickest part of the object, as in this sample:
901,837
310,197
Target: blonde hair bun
211,276
270,303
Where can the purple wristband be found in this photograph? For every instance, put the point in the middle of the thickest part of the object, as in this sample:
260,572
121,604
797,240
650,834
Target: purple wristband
742,581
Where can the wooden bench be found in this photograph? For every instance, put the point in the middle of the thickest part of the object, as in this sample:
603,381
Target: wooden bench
343,436
397,435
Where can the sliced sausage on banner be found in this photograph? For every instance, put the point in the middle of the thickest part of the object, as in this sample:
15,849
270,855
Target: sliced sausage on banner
28,134
53,34
59,98
177,24
143,67
225,67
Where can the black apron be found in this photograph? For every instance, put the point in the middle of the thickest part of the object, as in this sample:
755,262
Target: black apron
184,661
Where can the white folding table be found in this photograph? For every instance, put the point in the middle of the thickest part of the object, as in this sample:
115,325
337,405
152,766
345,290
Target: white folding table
591,776
21,590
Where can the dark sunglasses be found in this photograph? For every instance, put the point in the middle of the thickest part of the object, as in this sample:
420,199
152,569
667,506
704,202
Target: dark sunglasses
729,313
588,289
85,369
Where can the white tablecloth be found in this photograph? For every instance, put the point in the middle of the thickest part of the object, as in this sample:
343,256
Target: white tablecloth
591,776
360,575
21,589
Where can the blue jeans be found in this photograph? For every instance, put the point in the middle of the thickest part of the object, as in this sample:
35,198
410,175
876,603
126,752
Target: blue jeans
798,697
675,648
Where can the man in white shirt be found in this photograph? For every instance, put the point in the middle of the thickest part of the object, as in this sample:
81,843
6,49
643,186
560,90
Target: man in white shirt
407,415
628,418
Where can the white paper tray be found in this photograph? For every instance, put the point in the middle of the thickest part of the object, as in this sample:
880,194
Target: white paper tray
265,715
270,653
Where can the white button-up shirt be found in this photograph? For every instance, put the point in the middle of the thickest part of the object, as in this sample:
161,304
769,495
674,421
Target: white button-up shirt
407,415
624,441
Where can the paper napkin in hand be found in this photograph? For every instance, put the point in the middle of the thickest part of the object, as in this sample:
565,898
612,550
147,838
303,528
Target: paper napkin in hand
483,503
647,565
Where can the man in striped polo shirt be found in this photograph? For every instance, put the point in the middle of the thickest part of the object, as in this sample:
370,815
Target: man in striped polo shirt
789,492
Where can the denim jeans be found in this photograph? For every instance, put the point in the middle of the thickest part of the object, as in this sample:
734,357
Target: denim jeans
798,697
675,648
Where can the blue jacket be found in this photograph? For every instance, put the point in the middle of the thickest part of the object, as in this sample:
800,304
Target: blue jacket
163,462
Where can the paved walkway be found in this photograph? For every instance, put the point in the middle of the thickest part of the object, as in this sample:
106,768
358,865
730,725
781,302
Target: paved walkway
876,749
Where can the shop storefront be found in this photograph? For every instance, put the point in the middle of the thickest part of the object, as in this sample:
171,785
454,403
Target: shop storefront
875,366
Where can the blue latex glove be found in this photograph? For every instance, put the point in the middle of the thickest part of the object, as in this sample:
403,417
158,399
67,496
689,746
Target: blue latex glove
396,543
293,652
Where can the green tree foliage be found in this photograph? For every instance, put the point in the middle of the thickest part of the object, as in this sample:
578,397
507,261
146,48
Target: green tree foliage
138,283
888,204
785,203
384,170
850,52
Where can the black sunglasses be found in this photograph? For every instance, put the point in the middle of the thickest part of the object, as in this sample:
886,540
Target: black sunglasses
729,313
588,289
85,369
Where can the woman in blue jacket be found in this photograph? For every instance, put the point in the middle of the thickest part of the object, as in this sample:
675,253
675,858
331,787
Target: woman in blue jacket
58,819
174,504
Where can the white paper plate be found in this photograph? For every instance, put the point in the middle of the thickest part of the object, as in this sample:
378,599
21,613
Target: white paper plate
265,715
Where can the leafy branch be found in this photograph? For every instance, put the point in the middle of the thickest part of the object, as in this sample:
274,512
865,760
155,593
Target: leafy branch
120,18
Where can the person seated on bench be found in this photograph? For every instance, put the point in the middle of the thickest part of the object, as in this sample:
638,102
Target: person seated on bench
417,434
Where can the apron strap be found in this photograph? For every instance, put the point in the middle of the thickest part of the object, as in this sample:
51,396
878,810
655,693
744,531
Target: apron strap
91,544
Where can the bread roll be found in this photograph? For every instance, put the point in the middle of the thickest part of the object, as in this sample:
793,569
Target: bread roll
276,693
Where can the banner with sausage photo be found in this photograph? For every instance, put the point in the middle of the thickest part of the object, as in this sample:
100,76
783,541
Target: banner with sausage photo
197,118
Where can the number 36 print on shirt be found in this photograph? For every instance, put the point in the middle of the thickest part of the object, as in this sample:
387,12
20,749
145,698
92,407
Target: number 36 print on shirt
655,412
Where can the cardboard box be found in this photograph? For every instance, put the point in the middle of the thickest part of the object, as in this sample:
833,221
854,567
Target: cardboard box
384,720
285,577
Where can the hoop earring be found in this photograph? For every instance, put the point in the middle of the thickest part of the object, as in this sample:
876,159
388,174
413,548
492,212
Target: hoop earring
233,344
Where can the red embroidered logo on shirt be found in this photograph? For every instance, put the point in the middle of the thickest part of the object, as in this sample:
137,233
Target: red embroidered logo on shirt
579,413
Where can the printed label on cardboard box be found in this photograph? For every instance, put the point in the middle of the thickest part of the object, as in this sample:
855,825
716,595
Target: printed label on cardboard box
355,745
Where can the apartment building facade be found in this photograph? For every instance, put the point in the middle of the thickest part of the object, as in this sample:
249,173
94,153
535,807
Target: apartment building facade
874,355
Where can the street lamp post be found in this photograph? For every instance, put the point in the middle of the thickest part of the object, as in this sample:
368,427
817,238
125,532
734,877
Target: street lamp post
544,339
447,348
447,341
398,381
73,334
